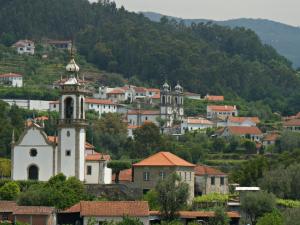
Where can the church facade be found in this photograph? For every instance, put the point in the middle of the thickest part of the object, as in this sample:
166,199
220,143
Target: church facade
36,156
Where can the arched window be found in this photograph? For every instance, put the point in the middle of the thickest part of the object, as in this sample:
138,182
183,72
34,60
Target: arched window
81,108
33,172
163,100
69,108
176,100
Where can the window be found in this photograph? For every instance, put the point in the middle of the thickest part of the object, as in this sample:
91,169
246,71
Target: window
222,181
68,152
146,118
89,170
146,176
212,180
54,105
185,176
33,152
68,134
162,175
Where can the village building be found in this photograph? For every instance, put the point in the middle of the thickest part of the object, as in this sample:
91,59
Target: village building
210,180
36,157
242,121
104,211
214,98
60,44
24,47
213,111
125,176
252,133
292,125
139,117
270,139
193,96
11,80
195,123
101,106
148,172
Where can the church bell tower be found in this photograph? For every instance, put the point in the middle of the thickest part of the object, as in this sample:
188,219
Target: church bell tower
72,124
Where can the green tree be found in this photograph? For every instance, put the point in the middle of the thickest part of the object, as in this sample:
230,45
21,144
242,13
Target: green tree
9,191
152,198
220,218
291,216
172,196
256,204
273,218
117,166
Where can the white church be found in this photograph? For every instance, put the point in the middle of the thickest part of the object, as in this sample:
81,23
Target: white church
36,156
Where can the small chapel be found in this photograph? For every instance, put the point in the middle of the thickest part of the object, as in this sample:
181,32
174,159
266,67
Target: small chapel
36,156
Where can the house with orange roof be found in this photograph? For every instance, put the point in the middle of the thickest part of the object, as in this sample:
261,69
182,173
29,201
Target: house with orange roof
125,176
195,123
103,211
210,180
148,172
270,138
252,133
138,117
213,111
101,106
292,125
242,121
11,79
214,98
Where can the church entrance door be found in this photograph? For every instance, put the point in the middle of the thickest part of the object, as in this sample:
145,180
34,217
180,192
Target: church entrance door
33,173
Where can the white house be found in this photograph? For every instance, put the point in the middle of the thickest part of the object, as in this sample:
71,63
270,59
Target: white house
213,111
252,133
139,117
101,106
11,79
195,123
35,156
24,47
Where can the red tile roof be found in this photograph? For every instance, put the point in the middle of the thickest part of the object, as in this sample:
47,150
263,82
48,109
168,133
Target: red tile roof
234,119
143,112
116,91
111,209
7,206
214,98
140,89
99,101
201,170
33,210
55,139
156,90
164,159
221,108
198,214
199,120
124,176
271,137
7,75
236,130
97,157
22,43
292,122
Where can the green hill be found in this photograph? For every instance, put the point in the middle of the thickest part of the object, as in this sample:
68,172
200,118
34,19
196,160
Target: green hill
284,38
205,58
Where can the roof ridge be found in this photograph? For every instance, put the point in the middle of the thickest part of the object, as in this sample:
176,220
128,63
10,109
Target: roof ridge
163,153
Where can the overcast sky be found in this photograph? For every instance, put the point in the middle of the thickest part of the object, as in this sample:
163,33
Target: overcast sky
286,11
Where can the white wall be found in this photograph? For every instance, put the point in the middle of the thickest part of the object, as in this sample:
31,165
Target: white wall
22,159
39,105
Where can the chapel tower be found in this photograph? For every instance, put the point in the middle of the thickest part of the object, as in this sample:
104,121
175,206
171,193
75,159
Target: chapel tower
72,124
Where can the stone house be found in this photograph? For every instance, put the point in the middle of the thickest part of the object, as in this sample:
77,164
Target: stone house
148,172
213,111
139,117
210,180
80,213
252,133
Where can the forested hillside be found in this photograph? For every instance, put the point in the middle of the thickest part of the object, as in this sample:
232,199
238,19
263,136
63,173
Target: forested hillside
206,58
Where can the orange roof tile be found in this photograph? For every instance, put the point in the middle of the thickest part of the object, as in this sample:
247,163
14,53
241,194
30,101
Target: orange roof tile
192,120
140,89
214,98
97,157
236,130
199,214
143,112
111,209
116,91
7,75
271,137
154,90
225,108
33,210
201,170
55,139
99,101
125,176
164,159
292,122
235,119
7,206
